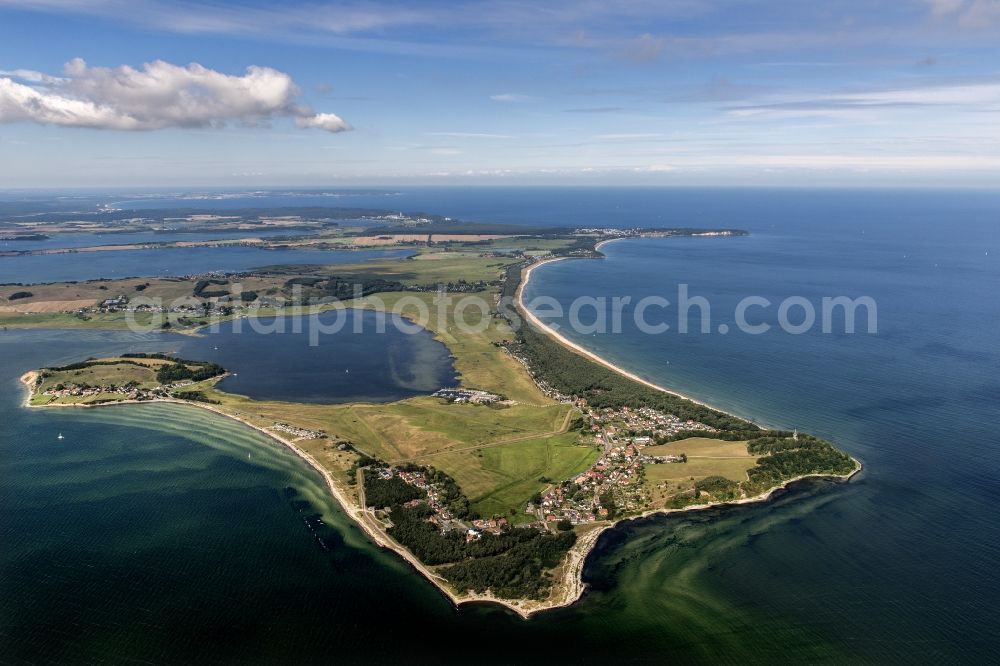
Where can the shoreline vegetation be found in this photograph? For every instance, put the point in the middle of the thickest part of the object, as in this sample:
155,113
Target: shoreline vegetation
568,585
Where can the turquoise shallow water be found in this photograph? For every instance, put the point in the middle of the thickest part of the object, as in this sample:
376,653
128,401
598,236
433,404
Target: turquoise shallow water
148,536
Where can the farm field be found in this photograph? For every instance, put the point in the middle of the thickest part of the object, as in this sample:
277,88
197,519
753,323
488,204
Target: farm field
705,457
499,480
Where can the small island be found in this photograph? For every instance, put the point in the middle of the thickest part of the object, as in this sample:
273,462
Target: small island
498,488
127,378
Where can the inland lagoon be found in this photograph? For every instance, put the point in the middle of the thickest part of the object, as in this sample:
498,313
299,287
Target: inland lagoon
165,533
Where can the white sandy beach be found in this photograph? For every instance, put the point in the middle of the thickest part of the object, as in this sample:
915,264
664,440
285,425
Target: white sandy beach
571,586
566,342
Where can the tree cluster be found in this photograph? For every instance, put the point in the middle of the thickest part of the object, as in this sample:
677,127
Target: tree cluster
201,288
518,573
791,457
381,492
169,373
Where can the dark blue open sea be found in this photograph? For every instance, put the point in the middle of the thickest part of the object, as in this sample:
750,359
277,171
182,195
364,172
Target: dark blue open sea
147,536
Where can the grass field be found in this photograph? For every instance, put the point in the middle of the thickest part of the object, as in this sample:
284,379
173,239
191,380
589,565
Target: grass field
705,457
497,454
53,305
502,478
143,374
508,242
429,266
700,447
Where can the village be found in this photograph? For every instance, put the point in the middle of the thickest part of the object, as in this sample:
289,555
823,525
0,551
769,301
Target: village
126,391
610,488
442,516
471,396
613,485
300,433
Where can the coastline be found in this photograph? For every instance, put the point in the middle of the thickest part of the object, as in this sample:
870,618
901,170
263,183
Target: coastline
572,578
571,586
358,514
572,346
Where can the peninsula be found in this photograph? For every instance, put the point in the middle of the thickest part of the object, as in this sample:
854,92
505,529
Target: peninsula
497,489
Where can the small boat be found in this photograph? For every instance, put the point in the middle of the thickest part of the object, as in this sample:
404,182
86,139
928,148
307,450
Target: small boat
60,436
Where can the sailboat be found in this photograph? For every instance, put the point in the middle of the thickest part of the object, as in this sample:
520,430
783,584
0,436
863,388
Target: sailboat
60,436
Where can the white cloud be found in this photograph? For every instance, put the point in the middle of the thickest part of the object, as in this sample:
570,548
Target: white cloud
968,13
31,76
325,121
628,136
877,104
157,96
470,135
944,7
656,168
510,97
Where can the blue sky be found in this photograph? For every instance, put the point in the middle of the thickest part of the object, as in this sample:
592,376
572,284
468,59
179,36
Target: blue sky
675,92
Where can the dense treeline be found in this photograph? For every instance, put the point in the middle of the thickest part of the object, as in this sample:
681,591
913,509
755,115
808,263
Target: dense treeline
788,457
201,288
511,281
381,492
196,396
124,360
727,435
579,245
307,289
176,370
180,371
783,457
423,539
441,226
719,487
518,573
80,365
511,563
572,374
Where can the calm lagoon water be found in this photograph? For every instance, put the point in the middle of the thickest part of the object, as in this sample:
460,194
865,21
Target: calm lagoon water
150,523
171,261
89,240
295,358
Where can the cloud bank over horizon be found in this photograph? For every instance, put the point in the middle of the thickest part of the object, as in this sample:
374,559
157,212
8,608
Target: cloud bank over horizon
159,95
756,92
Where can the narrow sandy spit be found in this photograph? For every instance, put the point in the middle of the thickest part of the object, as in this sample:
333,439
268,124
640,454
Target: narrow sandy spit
566,342
571,587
